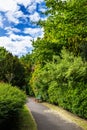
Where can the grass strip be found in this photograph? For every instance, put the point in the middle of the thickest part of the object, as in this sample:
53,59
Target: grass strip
68,116
26,120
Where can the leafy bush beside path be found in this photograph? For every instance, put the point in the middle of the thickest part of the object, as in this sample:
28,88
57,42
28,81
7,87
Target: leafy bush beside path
11,101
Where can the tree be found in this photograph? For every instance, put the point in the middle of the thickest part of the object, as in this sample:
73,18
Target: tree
18,72
3,54
66,26
11,70
27,63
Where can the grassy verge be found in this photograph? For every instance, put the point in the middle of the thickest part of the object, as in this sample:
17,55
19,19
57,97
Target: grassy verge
68,116
26,121
22,121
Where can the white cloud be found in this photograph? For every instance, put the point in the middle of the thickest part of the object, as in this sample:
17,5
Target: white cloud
34,17
11,30
12,5
34,32
12,12
18,14
28,2
8,5
31,8
11,16
42,10
1,21
11,9
39,1
16,44
25,2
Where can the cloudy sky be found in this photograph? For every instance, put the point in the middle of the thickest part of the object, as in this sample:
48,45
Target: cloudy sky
16,28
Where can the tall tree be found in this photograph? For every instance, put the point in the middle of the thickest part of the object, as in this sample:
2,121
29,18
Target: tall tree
65,26
11,70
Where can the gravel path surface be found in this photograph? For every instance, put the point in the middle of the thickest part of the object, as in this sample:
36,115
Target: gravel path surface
48,120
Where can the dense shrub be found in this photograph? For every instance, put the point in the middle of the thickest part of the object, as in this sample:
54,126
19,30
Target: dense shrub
53,92
76,101
11,100
64,82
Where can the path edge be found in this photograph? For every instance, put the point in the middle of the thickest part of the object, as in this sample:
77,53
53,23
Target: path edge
68,115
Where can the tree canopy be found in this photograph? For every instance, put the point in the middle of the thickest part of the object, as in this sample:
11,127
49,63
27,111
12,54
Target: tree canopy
66,27
11,70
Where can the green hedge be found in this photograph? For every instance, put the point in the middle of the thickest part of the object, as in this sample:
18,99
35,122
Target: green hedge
11,100
64,83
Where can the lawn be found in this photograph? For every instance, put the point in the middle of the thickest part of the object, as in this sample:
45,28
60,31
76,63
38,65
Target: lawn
22,121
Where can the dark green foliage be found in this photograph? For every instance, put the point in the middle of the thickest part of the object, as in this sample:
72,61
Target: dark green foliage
23,120
18,73
11,70
11,101
27,62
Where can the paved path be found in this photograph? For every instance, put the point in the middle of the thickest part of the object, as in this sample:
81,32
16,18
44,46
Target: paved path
47,120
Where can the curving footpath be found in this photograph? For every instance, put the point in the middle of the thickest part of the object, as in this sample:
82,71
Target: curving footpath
48,120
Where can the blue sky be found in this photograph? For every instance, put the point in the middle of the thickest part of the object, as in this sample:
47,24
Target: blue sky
16,28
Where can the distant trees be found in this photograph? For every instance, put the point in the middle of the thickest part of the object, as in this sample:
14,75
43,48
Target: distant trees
11,70
27,62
